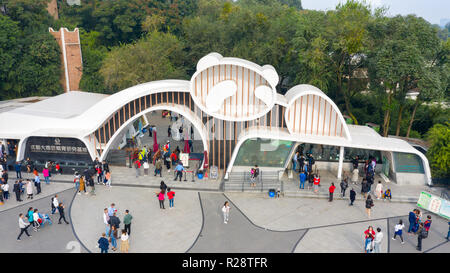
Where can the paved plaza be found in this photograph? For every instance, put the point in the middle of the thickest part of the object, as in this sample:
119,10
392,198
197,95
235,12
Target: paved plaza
257,222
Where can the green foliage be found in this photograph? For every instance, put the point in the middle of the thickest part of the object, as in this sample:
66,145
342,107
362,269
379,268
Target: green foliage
439,152
156,57
29,55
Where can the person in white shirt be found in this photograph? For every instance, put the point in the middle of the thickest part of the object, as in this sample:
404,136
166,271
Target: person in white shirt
36,219
226,212
23,227
5,189
399,230
377,240
55,203
106,220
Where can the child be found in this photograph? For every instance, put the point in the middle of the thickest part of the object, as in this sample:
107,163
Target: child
399,230
170,195
427,223
387,194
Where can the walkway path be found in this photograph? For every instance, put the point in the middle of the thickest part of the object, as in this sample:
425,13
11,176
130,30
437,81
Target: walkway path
239,235
52,238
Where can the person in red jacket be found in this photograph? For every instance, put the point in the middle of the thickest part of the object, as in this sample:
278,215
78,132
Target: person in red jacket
331,189
170,195
316,182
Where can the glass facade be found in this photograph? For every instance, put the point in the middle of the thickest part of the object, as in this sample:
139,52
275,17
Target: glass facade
331,153
264,153
408,163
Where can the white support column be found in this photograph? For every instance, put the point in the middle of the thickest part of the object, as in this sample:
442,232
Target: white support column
341,162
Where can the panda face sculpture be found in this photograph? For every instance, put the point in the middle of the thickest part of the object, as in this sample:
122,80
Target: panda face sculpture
233,89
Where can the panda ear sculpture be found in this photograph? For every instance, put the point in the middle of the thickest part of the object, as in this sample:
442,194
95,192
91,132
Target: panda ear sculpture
209,60
270,74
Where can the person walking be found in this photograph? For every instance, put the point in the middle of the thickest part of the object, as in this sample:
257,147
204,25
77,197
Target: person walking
23,227
5,189
54,203
161,199
344,186
46,174
36,219
179,169
398,230
226,212
352,196
124,242
61,213
369,205
29,189
379,190
158,167
103,243
377,241
331,190
364,187
170,195
30,218
127,221
302,177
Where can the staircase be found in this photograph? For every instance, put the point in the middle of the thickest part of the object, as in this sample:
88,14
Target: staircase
117,157
240,182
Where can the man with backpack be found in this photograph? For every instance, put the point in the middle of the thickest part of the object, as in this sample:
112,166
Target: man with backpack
422,233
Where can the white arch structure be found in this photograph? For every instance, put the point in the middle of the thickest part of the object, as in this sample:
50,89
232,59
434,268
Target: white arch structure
309,115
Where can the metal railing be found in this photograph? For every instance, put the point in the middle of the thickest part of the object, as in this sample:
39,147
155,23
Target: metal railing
241,181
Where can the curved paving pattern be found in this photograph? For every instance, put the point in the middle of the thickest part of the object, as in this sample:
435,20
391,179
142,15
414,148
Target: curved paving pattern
239,235
50,239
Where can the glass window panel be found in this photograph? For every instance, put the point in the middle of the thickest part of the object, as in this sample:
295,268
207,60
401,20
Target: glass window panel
408,163
263,152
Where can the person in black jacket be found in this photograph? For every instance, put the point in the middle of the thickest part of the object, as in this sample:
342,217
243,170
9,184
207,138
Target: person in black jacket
61,213
352,196
16,189
114,221
369,204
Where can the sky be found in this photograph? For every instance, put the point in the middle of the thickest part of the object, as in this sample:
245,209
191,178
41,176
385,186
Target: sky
431,10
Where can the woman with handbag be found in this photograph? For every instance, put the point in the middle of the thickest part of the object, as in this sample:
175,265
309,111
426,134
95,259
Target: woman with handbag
124,243
112,237
369,235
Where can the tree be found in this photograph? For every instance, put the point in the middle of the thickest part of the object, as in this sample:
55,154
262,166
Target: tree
346,31
9,52
158,56
402,48
439,152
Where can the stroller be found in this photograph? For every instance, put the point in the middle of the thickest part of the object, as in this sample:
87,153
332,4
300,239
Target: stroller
45,219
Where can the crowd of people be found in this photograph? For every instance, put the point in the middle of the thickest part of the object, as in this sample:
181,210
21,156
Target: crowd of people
37,220
113,232
164,156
